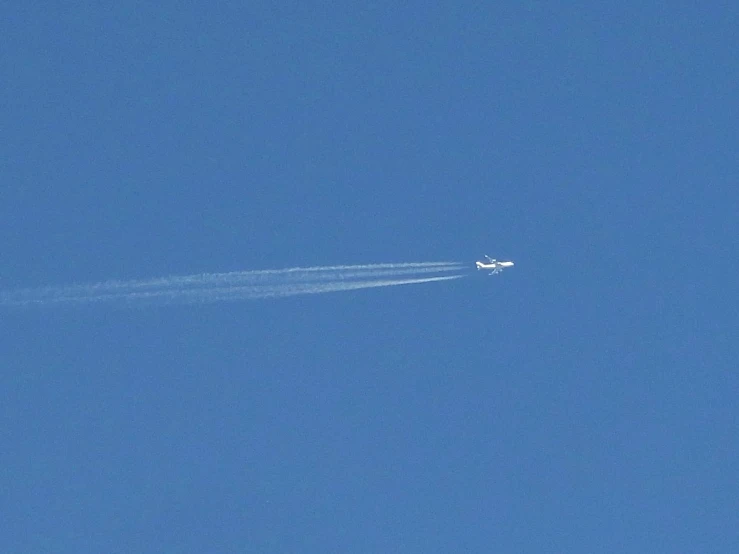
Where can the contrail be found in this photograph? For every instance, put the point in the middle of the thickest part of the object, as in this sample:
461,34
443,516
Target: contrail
239,285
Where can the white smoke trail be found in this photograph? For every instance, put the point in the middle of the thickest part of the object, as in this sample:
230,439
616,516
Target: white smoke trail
319,288
241,285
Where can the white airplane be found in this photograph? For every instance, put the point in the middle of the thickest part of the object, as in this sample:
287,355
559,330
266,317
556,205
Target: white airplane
493,264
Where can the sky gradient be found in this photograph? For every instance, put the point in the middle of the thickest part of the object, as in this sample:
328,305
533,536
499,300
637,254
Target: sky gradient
582,401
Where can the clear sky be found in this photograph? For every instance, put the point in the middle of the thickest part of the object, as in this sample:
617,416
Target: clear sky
583,401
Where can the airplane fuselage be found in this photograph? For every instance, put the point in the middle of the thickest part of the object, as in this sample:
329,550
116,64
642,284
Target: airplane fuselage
494,265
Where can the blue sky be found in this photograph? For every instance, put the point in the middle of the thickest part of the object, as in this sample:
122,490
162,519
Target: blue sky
583,401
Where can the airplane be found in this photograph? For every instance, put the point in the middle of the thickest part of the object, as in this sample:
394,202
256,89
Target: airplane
493,264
